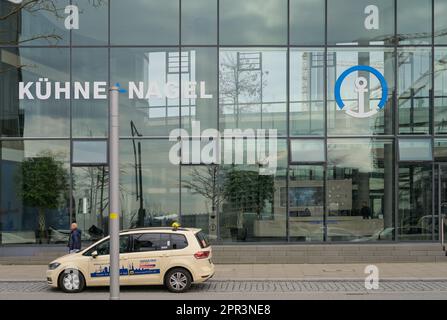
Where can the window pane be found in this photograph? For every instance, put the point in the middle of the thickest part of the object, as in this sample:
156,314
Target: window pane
369,22
200,65
89,152
199,22
440,22
249,212
178,241
34,191
414,78
202,193
306,203
306,92
89,116
150,22
440,91
90,201
250,22
153,200
414,21
253,91
312,150
307,22
360,189
93,22
415,150
34,23
339,121
159,113
34,117
415,202
441,150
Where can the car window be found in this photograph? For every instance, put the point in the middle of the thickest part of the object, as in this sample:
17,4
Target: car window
146,242
178,241
158,241
203,239
103,248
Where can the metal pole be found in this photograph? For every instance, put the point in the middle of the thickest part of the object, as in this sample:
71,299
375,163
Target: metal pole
114,213
442,233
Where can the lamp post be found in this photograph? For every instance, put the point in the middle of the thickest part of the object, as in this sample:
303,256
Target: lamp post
114,213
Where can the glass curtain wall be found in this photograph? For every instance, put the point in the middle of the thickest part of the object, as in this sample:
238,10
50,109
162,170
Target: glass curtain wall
210,67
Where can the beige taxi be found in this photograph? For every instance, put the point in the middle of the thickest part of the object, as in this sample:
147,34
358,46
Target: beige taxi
174,257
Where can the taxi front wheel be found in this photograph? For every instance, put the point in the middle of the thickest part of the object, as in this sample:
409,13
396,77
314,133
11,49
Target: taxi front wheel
178,280
71,281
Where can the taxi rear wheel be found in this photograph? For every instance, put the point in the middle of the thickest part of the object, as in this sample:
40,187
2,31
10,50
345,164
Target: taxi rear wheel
178,280
71,281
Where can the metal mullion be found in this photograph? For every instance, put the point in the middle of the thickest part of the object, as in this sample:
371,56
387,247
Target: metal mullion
219,239
70,210
287,122
325,99
179,105
396,127
432,114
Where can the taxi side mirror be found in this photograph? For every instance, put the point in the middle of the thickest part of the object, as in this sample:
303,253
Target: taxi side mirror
94,254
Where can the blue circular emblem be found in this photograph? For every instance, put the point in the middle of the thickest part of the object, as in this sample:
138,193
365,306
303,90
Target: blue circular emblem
372,70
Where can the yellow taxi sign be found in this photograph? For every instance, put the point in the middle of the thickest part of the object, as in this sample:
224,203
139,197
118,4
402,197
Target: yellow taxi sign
175,226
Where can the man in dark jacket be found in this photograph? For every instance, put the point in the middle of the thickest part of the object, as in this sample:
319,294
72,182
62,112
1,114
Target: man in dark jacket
366,211
74,242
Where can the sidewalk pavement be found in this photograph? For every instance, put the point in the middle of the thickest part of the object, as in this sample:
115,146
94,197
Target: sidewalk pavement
387,271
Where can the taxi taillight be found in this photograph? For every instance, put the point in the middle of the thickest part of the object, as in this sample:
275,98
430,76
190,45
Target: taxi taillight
202,254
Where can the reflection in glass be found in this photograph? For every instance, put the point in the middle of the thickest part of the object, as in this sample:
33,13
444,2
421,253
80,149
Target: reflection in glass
199,65
307,22
202,195
440,91
199,22
414,21
148,22
251,209
310,150
360,189
339,61
33,23
90,152
158,113
415,150
306,203
34,192
150,196
414,79
252,84
90,201
440,22
369,22
89,116
415,202
250,23
94,22
37,117
440,150
306,92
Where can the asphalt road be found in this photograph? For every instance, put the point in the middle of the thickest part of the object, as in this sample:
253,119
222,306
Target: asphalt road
242,290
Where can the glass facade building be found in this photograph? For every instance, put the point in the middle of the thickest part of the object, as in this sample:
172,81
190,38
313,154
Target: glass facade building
246,64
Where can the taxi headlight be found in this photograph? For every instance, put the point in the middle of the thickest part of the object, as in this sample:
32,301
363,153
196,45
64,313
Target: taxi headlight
53,265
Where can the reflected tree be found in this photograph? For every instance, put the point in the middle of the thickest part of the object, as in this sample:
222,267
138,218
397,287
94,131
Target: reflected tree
42,183
241,81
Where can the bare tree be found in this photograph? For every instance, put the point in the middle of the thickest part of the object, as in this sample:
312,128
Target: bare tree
208,183
240,78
